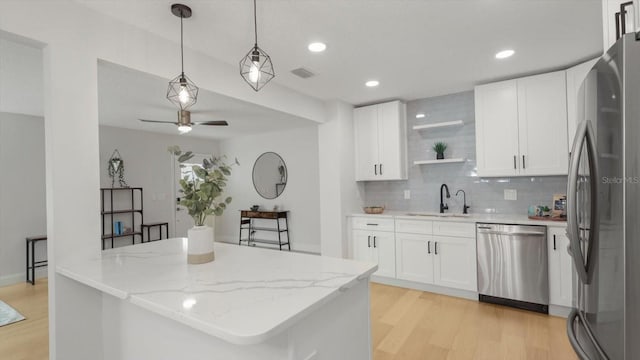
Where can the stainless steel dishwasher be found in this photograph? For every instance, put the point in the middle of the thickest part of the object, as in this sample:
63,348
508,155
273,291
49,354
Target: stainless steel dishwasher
512,265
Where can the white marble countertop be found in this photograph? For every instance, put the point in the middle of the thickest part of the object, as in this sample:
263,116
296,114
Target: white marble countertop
474,218
244,297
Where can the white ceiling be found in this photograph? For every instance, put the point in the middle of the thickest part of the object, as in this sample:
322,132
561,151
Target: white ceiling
126,95
416,48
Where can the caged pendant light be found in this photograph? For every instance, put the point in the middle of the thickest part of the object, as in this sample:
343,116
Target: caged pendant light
182,92
256,67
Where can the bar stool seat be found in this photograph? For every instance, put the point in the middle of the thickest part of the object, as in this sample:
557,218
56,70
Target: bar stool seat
159,225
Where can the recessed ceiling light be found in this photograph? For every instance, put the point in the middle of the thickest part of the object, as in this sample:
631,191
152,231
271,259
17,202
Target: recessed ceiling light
419,116
504,54
372,83
317,47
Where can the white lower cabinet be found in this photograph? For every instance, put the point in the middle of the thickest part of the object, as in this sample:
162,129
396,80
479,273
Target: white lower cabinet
446,261
455,262
560,268
443,253
414,260
377,247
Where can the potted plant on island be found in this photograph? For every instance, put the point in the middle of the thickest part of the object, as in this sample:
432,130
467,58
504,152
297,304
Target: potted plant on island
201,190
439,148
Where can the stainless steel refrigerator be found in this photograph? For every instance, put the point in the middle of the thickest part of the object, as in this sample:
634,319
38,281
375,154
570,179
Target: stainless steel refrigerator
603,208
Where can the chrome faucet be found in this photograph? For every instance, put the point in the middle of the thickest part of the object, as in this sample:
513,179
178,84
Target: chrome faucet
444,206
464,197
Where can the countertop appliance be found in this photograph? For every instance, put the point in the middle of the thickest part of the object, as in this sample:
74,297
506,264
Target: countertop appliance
513,265
603,203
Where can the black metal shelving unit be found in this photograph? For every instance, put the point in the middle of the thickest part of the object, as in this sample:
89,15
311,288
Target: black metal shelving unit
247,225
108,213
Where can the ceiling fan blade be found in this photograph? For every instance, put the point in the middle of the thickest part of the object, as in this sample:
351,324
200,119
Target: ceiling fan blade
212,123
158,121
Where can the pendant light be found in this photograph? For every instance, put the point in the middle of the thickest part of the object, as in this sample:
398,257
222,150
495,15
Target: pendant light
182,92
256,67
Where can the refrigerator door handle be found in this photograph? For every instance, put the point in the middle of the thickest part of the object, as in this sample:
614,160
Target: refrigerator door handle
571,334
594,222
573,339
584,134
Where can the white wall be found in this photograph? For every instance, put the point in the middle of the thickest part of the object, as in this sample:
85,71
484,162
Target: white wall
148,164
299,150
21,89
340,195
22,193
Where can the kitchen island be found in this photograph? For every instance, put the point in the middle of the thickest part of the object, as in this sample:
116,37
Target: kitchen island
249,303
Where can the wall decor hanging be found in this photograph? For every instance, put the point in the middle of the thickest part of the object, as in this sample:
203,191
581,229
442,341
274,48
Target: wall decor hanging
115,165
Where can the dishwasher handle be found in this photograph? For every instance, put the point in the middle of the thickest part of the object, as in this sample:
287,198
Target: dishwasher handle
513,233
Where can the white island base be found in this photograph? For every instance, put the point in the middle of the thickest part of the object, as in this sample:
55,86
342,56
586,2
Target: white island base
337,330
248,304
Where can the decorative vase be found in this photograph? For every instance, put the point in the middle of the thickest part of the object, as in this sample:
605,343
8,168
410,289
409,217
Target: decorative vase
440,156
200,245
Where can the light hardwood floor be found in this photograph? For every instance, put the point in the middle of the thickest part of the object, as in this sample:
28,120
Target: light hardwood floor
406,325
27,339
410,324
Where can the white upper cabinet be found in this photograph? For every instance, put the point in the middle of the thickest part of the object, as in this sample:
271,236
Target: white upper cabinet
497,128
521,126
575,76
542,124
380,141
611,12
365,122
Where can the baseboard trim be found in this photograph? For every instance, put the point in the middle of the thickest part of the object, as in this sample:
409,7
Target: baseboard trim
559,311
465,294
12,279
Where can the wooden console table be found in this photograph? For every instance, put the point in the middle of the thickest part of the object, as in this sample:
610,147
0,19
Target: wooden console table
247,225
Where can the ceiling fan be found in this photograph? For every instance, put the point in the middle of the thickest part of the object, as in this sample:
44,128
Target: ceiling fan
184,122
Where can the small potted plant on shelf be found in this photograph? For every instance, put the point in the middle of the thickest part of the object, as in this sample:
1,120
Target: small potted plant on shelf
439,148
201,188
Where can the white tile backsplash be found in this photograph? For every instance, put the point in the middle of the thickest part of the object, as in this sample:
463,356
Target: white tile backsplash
483,194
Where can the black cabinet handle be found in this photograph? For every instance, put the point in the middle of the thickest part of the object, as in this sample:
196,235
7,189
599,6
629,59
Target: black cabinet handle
514,162
428,247
436,247
380,169
374,241
375,169
554,243
369,241
524,166
372,224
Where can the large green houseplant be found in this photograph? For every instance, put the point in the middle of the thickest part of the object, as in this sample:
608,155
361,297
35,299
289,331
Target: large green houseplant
202,189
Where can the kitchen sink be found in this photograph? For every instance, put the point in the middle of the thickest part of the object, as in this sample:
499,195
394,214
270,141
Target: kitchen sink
435,214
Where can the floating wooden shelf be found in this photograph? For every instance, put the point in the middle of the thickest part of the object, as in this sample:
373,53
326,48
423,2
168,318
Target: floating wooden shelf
438,125
443,161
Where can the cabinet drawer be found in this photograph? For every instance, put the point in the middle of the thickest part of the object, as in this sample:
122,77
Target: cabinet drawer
372,223
451,228
414,227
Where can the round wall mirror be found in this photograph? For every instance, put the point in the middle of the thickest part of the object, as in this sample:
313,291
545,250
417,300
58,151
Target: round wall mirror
269,175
